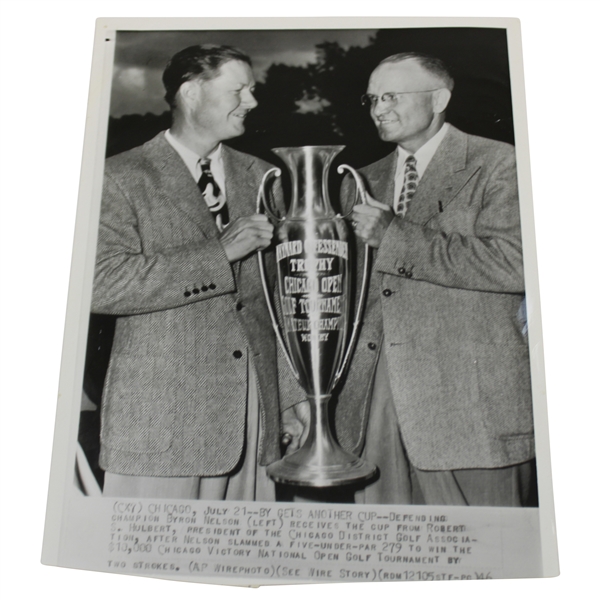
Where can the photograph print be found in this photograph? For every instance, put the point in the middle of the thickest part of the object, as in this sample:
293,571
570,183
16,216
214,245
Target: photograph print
309,280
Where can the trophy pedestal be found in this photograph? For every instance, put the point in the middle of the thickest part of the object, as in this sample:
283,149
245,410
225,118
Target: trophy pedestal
321,462
295,470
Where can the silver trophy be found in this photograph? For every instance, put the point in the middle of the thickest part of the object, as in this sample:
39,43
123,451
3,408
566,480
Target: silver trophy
313,276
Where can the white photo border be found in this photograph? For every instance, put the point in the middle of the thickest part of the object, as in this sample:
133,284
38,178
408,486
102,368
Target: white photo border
71,377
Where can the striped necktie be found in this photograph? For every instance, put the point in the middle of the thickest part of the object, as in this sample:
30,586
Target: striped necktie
213,197
409,187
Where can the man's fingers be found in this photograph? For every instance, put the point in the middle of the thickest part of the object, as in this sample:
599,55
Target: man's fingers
261,244
289,441
366,209
246,235
364,224
372,202
363,219
256,217
293,445
254,223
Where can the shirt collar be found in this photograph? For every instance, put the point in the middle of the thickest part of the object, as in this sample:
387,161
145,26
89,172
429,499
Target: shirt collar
423,155
192,160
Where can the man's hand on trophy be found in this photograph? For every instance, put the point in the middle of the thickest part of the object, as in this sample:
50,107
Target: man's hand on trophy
246,235
295,422
370,221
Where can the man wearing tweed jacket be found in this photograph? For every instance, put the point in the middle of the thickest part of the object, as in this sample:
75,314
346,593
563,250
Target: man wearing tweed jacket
190,407
442,354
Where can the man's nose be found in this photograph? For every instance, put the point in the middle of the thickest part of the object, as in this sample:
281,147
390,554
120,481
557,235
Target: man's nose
248,100
378,107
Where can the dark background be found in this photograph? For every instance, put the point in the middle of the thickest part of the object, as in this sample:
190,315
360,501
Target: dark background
300,102
319,102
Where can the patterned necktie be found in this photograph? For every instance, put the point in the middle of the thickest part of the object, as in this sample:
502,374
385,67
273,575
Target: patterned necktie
411,178
215,200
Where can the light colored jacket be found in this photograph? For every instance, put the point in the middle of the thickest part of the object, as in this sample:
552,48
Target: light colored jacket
174,401
443,304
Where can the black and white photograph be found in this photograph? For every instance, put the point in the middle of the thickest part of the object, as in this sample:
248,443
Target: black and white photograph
181,369
305,348
73,103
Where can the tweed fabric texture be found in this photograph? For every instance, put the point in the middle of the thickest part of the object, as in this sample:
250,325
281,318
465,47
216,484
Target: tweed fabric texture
174,400
443,305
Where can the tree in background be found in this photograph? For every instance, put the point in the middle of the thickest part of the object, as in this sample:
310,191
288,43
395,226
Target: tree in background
332,85
319,104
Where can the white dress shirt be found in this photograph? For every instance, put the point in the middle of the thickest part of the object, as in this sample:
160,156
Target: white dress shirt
423,156
192,161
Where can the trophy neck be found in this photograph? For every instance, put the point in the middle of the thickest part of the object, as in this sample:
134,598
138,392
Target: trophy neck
309,168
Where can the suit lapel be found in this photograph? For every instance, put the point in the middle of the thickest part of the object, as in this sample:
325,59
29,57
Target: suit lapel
238,184
238,189
381,179
178,186
446,174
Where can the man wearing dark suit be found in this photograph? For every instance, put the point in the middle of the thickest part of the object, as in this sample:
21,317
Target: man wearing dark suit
442,355
190,406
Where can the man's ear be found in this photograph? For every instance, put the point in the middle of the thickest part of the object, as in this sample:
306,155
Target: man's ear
441,99
189,92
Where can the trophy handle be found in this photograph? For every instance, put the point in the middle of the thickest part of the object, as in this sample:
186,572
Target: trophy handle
360,187
260,204
261,200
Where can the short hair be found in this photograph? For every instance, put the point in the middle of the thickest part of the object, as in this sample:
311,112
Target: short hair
431,64
197,62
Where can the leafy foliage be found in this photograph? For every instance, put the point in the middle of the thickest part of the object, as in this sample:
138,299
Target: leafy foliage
318,104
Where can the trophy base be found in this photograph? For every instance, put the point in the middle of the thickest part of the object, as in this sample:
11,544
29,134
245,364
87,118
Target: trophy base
350,469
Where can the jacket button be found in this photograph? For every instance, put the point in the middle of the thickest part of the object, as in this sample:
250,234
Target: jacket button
195,291
239,306
187,294
204,288
402,270
212,286
237,354
387,292
409,274
372,345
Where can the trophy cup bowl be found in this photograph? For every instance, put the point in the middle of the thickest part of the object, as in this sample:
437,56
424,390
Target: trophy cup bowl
314,286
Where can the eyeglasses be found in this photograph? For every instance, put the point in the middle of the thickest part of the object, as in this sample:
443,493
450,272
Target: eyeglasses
372,100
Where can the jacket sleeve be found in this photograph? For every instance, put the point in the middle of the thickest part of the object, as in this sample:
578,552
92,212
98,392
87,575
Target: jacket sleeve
130,278
488,260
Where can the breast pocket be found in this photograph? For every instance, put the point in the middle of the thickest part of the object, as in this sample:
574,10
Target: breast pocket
455,219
